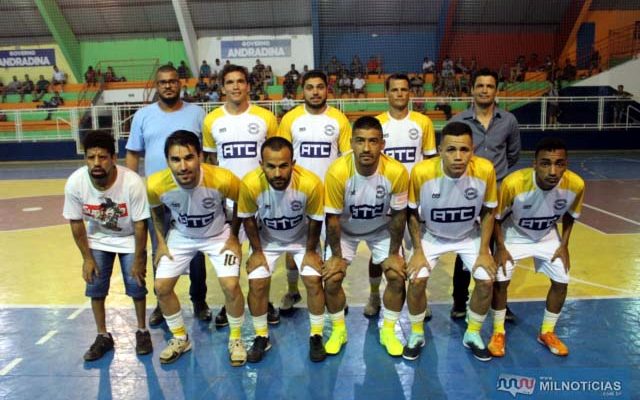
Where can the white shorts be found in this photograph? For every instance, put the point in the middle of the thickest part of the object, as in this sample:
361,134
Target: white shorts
378,243
467,248
183,249
273,251
541,251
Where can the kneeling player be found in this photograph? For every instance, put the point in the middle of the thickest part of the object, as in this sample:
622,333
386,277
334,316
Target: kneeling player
195,194
450,193
282,209
532,200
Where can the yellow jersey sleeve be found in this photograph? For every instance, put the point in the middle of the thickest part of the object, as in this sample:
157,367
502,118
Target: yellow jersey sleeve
232,188
284,130
399,177
315,196
483,169
507,194
156,186
334,186
207,137
428,136
249,192
344,142
576,185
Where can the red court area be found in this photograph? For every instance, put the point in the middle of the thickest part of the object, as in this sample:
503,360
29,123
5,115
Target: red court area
612,206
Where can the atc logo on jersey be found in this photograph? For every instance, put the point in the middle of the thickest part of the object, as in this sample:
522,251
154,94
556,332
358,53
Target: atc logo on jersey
240,150
402,154
196,221
455,214
329,130
538,224
315,149
282,223
366,211
560,204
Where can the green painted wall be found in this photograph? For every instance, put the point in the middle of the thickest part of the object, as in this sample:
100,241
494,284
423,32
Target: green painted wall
91,53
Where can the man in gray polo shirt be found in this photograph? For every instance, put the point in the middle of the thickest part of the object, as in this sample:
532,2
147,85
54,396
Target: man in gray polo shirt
496,136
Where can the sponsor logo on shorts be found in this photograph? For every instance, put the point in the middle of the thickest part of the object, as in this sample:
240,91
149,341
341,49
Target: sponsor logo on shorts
470,193
315,149
538,224
282,223
402,154
366,211
455,214
240,150
196,221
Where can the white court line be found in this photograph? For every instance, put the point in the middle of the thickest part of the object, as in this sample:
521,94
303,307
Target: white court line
10,366
46,337
615,289
49,306
76,313
611,214
31,229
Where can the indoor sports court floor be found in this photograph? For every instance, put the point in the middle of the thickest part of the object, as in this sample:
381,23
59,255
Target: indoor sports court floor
46,325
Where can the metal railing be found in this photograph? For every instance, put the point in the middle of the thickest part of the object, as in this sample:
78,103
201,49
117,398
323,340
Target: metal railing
534,113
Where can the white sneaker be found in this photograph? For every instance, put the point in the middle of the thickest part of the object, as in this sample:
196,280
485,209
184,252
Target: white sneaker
237,352
174,350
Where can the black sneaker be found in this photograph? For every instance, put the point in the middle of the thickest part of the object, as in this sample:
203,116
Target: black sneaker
143,343
273,316
156,317
201,311
100,346
482,354
316,349
458,311
509,316
221,318
261,345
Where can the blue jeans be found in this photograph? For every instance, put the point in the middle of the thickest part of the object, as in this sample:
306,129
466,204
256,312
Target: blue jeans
100,285
197,267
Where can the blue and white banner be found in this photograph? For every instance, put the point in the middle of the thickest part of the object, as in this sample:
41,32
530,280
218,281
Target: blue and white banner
27,58
255,48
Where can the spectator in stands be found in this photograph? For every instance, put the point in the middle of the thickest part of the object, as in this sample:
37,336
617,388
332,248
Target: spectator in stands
42,87
344,85
460,68
201,88
373,67
13,87
287,104
90,77
110,76
356,67
54,102
553,105
27,87
359,86
594,61
570,71
447,63
449,84
444,106
289,85
293,78
518,70
534,63
463,83
213,96
59,78
256,83
305,69
428,67
183,71
269,76
502,76
205,70
259,67
473,67
620,106
293,73
333,67
416,83
2,89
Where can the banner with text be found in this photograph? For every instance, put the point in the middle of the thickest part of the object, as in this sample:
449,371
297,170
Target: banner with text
27,58
255,48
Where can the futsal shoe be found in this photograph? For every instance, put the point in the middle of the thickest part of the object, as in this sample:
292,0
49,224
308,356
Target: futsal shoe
414,347
221,319
317,352
261,345
391,342
289,300
428,314
509,316
176,348
372,309
336,340
554,344
237,352
99,348
202,311
273,316
143,343
474,342
497,345
156,317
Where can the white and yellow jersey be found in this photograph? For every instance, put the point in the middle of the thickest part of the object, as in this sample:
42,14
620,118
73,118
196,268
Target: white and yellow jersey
282,214
237,138
197,212
409,139
317,140
364,202
529,213
448,206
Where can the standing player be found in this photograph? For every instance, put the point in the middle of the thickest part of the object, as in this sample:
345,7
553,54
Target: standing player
409,137
149,131
113,201
532,200
365,200
450,193
319,134
282,207
233,134
195,194
496,137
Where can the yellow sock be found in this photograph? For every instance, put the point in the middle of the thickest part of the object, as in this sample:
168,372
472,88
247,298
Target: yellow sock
498,320
262,332
338,324
549,321
317,323
234,333
417,328
316,329
474,322
180,331
388,324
